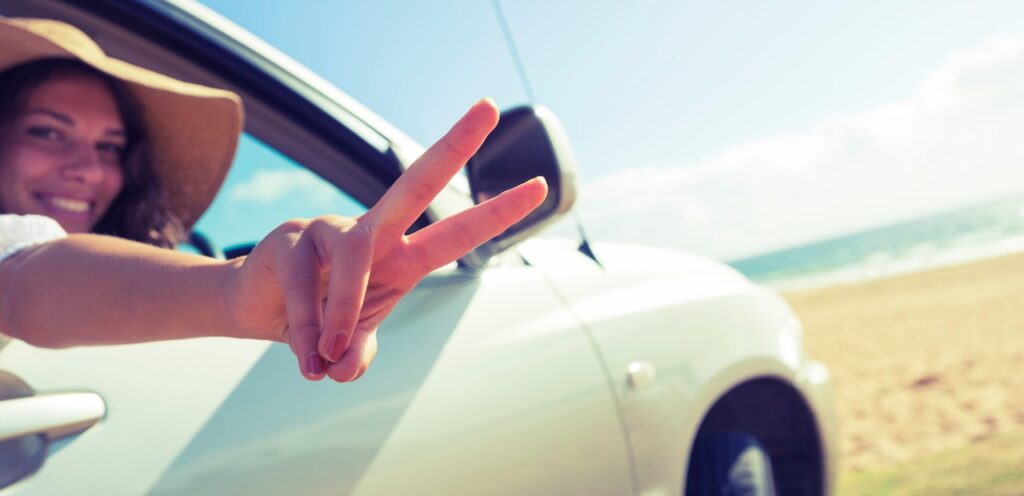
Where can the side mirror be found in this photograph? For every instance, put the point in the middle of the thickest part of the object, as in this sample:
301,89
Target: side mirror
528,142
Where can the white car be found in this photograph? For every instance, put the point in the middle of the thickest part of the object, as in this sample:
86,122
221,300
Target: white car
527,368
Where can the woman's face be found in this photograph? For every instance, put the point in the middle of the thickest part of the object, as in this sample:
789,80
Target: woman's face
61,156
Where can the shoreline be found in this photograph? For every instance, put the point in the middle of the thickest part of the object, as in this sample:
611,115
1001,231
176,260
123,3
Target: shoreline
923,361
873,270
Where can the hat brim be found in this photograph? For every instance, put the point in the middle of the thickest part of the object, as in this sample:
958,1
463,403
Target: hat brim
192,130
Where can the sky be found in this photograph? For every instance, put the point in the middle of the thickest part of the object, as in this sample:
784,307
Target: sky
723,128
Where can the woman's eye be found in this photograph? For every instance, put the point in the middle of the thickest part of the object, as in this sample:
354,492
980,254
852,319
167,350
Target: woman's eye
46,133
111,151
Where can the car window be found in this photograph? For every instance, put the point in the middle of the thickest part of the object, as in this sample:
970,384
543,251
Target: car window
265,188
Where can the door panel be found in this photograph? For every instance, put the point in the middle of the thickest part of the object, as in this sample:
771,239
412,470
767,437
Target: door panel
157,397
483,384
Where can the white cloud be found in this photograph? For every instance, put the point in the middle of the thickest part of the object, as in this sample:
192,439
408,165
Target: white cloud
955,140
269,186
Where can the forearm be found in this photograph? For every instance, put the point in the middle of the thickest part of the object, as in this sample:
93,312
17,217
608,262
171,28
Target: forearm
91,290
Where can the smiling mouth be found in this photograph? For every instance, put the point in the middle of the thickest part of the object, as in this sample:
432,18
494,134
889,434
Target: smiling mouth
68,205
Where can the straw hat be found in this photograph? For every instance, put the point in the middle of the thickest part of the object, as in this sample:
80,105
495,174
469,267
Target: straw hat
192,130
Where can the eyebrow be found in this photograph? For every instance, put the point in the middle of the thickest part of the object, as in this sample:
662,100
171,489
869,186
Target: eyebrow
71,122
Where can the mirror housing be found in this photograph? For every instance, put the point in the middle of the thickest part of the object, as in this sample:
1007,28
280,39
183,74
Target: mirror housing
529,141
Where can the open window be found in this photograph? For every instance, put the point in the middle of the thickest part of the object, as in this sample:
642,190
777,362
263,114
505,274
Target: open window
263,189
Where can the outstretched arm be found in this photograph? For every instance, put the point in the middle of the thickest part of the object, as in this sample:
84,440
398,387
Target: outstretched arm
322,285
91,290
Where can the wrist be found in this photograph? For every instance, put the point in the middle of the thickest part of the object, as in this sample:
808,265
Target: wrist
228,324
231,296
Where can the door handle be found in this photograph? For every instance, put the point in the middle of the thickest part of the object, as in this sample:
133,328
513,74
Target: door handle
640,374
54,415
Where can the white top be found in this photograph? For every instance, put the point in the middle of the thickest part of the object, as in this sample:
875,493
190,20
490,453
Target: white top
18,232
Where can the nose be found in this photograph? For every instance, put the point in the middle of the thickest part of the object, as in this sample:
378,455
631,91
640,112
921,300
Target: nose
83,166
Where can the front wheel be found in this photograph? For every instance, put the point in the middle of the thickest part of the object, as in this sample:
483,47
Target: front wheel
729,464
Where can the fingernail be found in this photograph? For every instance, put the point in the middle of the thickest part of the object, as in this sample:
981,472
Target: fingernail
335,348
314,365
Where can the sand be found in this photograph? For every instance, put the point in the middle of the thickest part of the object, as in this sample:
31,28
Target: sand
922,362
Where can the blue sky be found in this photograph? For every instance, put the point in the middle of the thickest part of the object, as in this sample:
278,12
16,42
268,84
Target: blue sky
656,91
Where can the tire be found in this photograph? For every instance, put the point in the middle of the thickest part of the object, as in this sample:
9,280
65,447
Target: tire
729,464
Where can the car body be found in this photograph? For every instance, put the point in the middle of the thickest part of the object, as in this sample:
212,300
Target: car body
531,370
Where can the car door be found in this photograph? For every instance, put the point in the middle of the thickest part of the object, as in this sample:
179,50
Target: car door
484,384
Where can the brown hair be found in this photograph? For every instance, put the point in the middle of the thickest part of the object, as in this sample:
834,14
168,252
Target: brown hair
139,212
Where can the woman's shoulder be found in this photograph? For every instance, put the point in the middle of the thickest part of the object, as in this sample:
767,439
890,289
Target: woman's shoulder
18,232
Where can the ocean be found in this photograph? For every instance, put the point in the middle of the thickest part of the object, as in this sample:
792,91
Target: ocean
948,238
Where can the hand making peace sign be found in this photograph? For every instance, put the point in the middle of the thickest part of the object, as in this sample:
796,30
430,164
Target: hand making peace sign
324,285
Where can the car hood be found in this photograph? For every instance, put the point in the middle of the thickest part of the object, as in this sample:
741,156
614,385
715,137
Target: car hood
560,256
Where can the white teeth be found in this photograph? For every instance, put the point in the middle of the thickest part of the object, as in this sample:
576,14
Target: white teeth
76,206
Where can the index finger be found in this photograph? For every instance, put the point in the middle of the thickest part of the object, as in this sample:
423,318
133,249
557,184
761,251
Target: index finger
413,192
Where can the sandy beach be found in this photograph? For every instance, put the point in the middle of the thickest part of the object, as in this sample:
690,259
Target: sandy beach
922,362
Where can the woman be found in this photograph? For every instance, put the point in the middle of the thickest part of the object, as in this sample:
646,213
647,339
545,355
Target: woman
78,176
33,122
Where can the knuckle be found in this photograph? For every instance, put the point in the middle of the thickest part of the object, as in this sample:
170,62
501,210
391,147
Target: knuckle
319,225
389,228
363,230
291,239
341,374
288,234
304,329
360,238
336,227
455,143
422,193
504,212
292,226
347,302
464,236
332,223
329,218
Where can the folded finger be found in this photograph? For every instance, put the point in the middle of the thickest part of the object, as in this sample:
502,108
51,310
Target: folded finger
351,257
298,274
413,192
446,241
361,351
